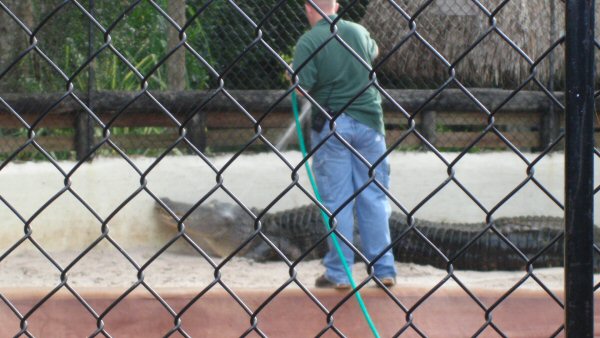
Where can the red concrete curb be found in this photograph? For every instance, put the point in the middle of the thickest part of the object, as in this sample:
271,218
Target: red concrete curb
446,313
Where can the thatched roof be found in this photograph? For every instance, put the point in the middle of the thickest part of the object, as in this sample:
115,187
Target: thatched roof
452,26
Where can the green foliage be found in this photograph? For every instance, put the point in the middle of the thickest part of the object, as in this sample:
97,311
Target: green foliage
221,35
232,36
141,38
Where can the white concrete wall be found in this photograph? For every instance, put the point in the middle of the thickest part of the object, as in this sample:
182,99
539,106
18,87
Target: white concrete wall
256,180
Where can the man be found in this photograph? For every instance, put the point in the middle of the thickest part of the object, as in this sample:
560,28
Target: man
337,80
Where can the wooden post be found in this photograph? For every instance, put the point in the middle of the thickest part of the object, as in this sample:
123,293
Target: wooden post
428,126
83,135
550,125
197,131
84,129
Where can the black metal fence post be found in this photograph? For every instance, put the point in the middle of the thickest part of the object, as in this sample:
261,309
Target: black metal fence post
579,54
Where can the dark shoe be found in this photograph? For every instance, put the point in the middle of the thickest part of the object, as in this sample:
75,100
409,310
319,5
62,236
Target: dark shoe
324,282
388,282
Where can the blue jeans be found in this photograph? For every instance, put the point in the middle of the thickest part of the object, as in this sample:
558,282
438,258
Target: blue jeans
339,174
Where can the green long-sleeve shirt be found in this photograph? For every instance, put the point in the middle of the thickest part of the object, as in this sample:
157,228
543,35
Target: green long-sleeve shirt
333,76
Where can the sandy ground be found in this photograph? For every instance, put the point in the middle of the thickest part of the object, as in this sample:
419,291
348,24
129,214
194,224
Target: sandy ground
66,227
104,268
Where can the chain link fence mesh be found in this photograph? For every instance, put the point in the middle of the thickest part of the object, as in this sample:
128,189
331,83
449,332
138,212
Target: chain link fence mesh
223,49
72,52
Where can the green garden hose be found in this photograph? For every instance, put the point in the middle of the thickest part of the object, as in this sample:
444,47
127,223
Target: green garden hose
326,218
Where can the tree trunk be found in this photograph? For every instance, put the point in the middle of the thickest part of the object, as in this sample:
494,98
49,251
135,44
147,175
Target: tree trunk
176,62
13,41
196,127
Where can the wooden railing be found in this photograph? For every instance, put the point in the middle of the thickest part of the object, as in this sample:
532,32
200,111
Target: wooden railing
451,119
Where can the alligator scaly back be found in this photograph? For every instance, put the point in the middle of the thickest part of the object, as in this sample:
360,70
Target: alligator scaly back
506,244
509,243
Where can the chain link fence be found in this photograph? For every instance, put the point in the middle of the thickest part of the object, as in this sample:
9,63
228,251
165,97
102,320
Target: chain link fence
201,76
223,49
220,34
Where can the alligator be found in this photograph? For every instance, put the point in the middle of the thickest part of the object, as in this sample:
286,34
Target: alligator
508,243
